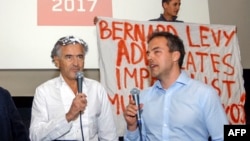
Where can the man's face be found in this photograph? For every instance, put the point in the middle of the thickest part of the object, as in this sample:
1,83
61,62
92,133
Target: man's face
172,8
159,58
70,60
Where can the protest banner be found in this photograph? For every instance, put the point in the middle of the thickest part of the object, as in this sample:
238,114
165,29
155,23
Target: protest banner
212,56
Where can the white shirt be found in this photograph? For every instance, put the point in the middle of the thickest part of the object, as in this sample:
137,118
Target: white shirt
52,101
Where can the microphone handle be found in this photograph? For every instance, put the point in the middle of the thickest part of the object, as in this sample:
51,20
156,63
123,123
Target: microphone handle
137,103
79,84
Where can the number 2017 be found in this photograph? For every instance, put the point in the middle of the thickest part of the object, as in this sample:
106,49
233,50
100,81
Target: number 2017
70,5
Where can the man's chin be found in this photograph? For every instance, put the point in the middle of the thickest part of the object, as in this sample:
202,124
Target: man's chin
154,75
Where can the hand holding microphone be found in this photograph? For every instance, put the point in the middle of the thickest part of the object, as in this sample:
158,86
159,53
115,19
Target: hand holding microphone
82,99
135,93
79,79
79,103
132,113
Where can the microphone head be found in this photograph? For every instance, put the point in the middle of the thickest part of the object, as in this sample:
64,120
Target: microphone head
79,74
135,91
135,94
79,79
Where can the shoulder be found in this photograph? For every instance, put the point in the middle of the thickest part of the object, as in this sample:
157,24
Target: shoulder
158,19
4,93
154,19
91,83
201,85
147,91
204,92
47,87
162,19
178,21
6,99
95,89
50,83
193,83
195,86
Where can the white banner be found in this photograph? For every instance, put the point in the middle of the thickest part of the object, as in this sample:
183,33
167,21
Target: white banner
212,56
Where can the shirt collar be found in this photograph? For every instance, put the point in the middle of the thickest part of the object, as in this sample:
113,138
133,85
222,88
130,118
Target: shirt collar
182,79
162,17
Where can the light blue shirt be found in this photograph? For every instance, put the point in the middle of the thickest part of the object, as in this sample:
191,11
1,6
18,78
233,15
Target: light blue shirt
189,110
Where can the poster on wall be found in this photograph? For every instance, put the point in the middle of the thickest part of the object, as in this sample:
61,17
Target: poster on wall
71,12
212,56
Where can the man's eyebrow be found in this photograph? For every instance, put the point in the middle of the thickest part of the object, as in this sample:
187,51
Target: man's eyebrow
155,48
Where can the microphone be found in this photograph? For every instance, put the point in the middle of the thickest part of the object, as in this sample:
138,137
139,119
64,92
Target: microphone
79,79
135,93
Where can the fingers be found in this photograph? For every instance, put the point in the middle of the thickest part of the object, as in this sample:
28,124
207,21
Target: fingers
95,20
130,111
82,98
81,101
78,105
132,108
130,115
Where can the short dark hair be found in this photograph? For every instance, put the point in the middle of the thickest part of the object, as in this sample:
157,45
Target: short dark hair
167,1
174,43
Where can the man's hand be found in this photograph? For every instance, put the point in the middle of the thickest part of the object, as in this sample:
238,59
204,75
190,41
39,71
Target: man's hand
130,115
95,20
78,105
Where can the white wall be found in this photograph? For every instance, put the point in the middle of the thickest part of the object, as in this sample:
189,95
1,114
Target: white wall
234,12
24,45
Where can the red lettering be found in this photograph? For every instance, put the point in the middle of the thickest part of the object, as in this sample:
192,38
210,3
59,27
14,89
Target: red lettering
116,29
202,55
172,30
228,84
139,33
190,62
215,85
216,39
190,42
203,36
105,32
224,60
214,62
128,28
118,78
122,51
229,36
118,102
135,76
115,101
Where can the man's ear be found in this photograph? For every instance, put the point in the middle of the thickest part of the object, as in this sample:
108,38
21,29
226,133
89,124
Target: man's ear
165,5
56,61
176,55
